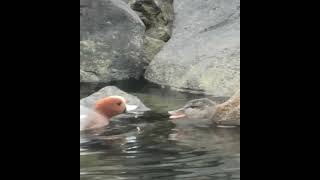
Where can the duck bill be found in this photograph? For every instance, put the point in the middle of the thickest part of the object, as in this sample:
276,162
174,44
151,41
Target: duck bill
130,107
177,114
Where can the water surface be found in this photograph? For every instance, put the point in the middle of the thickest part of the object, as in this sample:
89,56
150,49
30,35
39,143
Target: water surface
152,147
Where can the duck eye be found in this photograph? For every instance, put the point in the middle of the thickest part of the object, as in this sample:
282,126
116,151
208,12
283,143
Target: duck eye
193,107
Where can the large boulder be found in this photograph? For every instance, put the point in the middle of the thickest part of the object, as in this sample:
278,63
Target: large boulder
203,53
111,41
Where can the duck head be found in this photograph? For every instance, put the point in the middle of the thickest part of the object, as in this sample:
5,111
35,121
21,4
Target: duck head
195,109
112,106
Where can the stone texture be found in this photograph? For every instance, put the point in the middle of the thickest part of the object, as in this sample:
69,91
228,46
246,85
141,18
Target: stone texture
203,53
111,41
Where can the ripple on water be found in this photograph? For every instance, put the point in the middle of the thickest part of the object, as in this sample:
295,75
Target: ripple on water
160,149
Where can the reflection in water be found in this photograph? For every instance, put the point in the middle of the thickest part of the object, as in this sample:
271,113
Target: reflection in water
152,147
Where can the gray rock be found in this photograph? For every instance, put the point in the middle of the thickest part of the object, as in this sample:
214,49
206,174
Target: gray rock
152,47
157,15
111,41
90,101
88,77
203,53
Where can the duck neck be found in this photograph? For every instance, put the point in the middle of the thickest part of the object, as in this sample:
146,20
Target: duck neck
106,113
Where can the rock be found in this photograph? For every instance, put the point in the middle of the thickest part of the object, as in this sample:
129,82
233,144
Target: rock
157,15
152,47
90,101
88,77
158,18
111,41
203,53
228,113
89,88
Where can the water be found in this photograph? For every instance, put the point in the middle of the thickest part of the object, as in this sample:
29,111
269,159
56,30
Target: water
152,147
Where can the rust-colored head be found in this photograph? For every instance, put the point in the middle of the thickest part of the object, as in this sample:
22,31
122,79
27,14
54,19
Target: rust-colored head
111,106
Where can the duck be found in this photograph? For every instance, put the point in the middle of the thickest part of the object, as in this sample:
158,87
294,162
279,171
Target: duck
226,114
104,110
203,108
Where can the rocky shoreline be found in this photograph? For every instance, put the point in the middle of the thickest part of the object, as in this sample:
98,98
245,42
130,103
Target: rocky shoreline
187,45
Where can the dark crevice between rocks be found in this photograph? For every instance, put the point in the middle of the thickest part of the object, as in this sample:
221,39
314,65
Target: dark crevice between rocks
158,16
92,72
